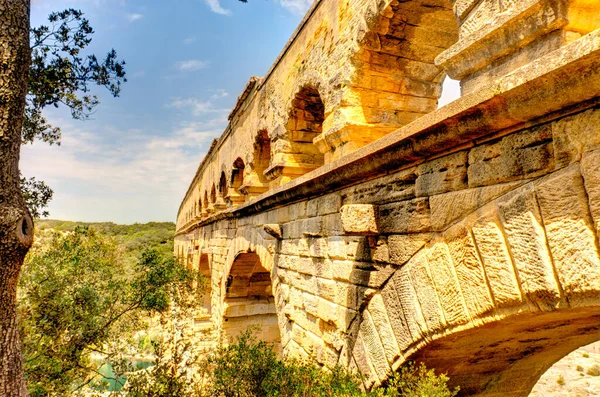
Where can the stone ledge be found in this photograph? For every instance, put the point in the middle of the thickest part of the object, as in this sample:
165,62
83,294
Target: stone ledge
565,78
495,41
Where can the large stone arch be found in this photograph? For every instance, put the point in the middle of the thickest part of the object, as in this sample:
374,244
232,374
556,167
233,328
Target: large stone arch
507,357
495,297
296,154
394,79
249,301
255,180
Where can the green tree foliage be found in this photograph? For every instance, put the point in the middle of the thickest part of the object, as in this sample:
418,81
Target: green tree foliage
250,368
133,239
60,74
37,196
78,293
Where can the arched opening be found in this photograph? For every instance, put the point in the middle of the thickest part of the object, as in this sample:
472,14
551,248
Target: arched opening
256,182
450,91
223,185
298,154
576,374
234,195
213,194
206,207
249,301
396,80
237,173
509,356
204,271
304,125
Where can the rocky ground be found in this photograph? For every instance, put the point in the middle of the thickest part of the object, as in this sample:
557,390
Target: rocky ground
576,375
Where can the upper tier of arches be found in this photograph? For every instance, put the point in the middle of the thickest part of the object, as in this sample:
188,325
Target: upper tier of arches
352,72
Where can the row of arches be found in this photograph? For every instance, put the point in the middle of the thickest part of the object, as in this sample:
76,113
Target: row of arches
264,169
247,299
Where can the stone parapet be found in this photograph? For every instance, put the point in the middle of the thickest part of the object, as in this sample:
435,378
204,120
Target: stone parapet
497,37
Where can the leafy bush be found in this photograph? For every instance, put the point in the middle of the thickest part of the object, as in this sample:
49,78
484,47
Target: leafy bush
250,368
78,295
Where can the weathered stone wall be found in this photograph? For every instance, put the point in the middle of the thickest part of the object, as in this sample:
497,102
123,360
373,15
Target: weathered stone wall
467,239
370,64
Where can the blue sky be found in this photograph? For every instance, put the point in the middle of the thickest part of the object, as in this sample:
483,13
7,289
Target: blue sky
187,61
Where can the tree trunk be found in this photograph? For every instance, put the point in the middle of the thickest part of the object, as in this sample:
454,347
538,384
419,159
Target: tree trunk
16,226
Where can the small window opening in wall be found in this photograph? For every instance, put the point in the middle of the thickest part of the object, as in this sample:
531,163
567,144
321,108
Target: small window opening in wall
223,185
450,92
205,273
213,194
304,125
249,300
237,174
262,155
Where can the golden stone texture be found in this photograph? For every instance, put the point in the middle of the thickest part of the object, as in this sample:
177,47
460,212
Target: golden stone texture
360,226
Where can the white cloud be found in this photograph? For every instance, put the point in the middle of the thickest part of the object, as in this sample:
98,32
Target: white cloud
121,176
215,6
298,7
134,17
219,93
197,106
189,40
191,65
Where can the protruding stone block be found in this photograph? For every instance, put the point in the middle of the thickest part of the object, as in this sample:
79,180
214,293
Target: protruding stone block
360,219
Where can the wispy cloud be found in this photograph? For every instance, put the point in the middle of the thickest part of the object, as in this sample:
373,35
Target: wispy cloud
130,177
191,65
197,106
298,7
219,93
189,40
134,17
215,6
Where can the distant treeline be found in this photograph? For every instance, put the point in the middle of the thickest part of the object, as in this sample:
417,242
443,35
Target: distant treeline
133,238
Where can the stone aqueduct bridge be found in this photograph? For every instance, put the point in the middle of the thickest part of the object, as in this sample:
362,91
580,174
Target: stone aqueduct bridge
359,224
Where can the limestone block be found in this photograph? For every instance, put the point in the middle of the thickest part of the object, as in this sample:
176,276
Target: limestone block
448,173
381,252
371,277
374,347
411,308
570,232
317,247
342,270
377,312
411,216
395,313
396,187
402,247
521,155
446,284
329,204
363,362
574,135
297,264
527,244
496,261
448,207
323,268
360,219
469,270
426,294
357,248
331,225
590,169
310,226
